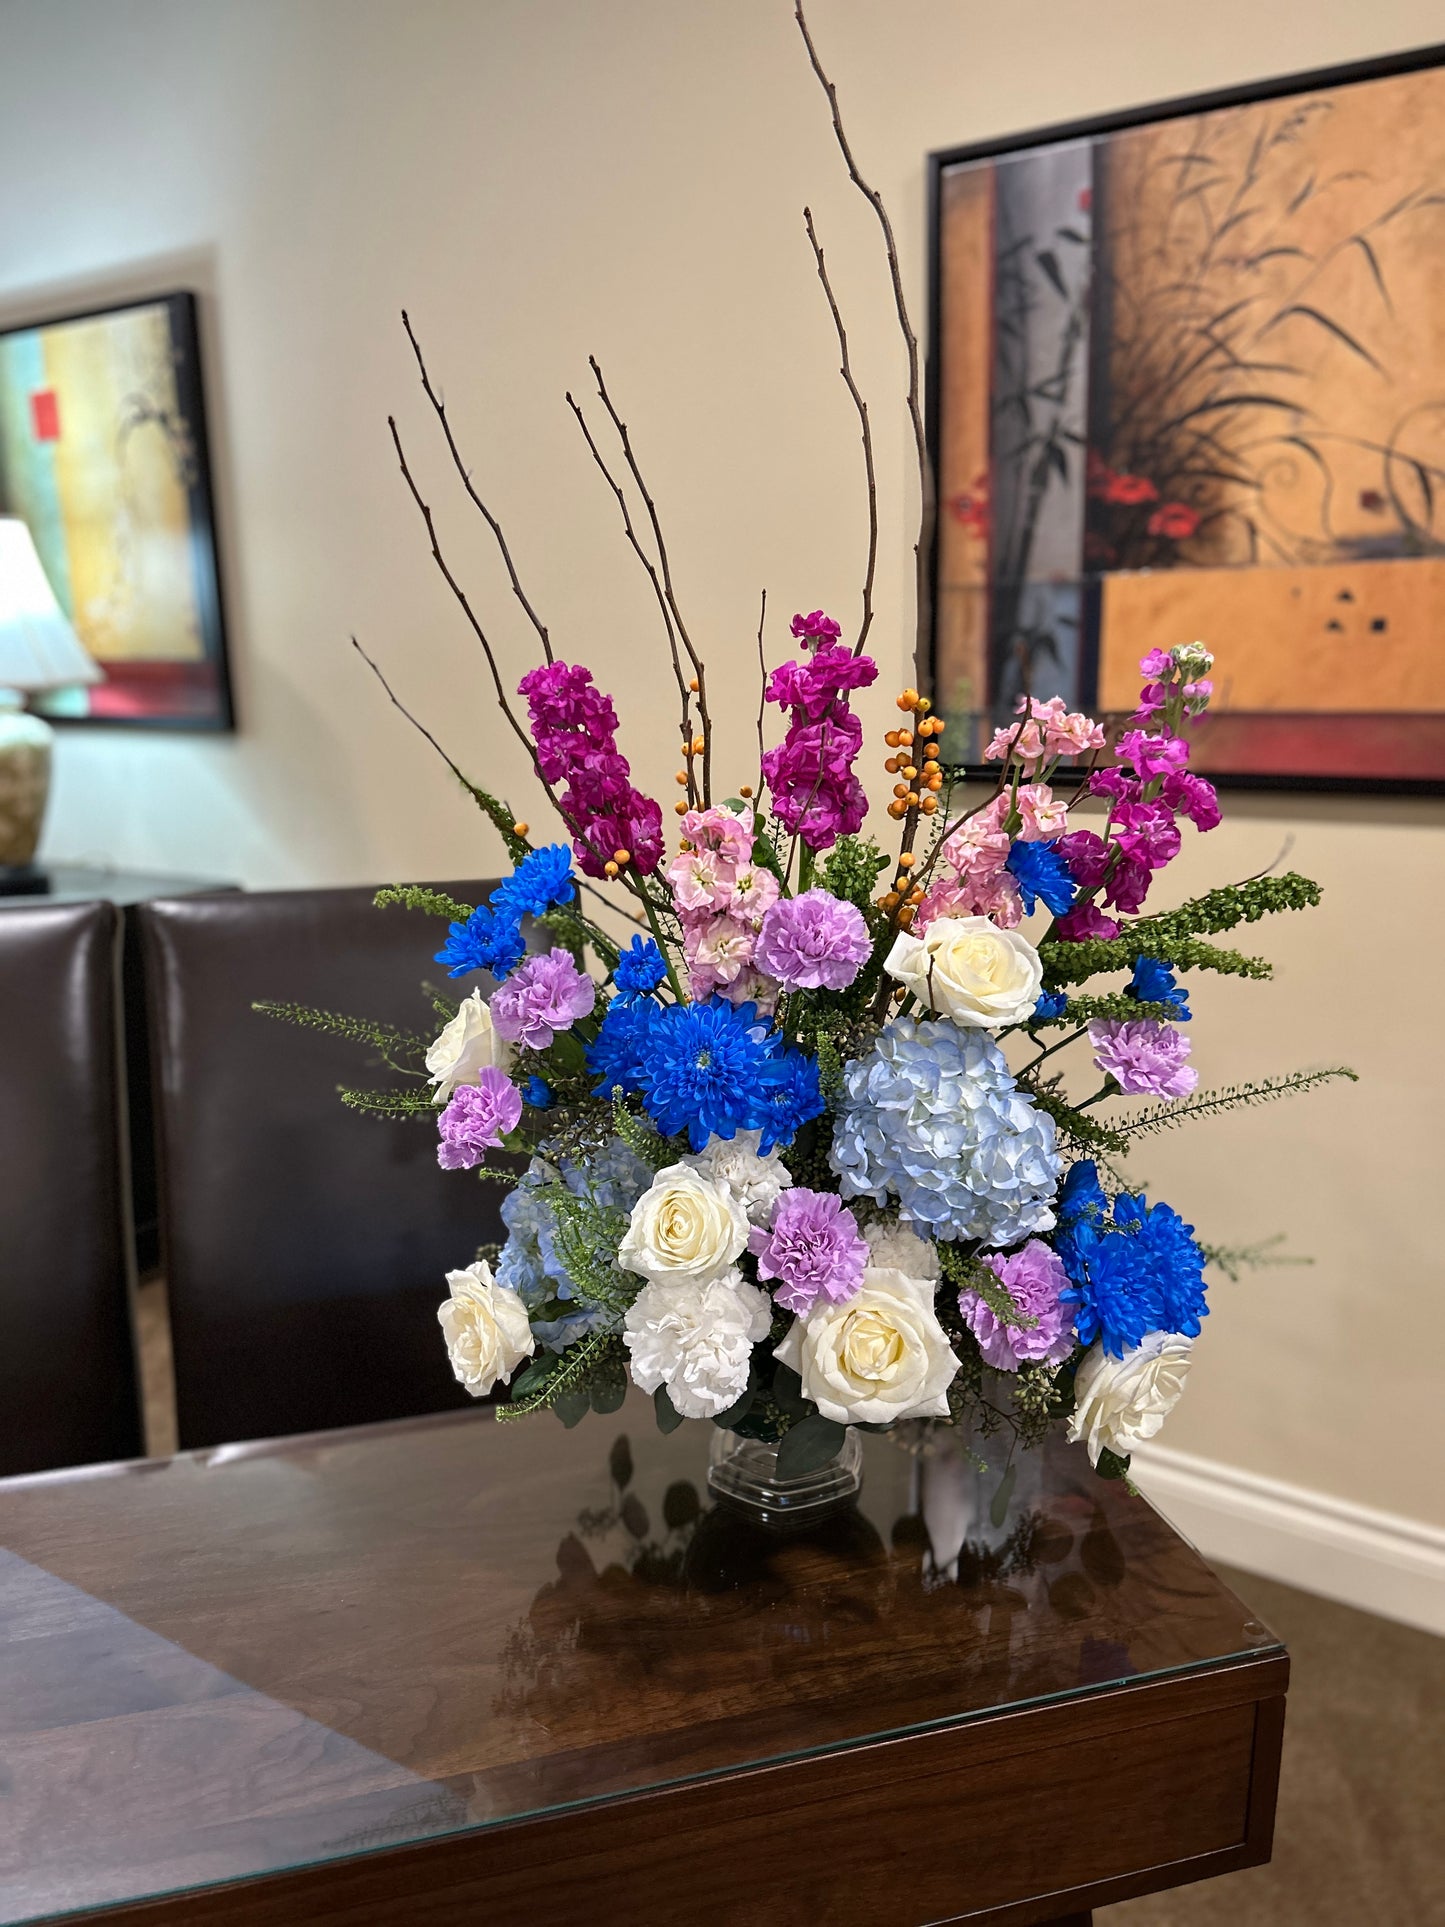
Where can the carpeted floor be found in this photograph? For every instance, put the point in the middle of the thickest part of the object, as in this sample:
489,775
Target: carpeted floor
1360,1838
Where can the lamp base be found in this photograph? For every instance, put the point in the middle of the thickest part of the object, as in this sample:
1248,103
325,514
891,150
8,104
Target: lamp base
23,880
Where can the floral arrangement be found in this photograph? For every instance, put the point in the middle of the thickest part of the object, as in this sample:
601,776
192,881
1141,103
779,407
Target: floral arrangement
798,1153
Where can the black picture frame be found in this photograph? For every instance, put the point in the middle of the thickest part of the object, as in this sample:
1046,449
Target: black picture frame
218,716
1091,128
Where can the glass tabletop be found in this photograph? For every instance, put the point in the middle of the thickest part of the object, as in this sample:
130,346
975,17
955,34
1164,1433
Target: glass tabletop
240,1661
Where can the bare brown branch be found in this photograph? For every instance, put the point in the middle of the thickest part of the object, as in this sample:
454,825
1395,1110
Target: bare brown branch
440,408
923,548
698,669
646,560
846,371
762,693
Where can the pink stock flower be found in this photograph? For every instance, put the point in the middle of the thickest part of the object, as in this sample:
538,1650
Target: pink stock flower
1051,730
995,895
702,881
754,893
1044,816
716,951
1157,663
1152,756
721,830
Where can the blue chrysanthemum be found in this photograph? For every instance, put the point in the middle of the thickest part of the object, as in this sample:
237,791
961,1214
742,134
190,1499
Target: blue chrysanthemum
618,1052
543,878
1051,1006
792,1094
1082,1195
932,1115
640,968
706,1071
1168,1248
1116,1295
1041,874
486,941
1134,1270
529,1263
538,1093
1155,983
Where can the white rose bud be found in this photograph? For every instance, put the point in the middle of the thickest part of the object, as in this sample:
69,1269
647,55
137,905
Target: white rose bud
467,1046
878,1357
684,1227
968,969
486,1329
1121,1402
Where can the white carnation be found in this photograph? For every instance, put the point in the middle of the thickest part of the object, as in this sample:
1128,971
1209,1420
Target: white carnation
486,1329
733,1162
467,1046
880,1356
895,1247
683,1226
697,1339
1121,1402
968,969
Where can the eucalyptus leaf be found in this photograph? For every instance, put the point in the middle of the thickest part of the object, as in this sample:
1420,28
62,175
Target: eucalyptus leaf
634,1516
571,1407
810,1444
738,1409
607,1394
668,1416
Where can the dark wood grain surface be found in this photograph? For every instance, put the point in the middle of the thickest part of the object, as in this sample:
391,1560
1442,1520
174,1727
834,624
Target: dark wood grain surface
394,1673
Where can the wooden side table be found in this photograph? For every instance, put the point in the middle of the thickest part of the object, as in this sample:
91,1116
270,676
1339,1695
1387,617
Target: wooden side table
457,1669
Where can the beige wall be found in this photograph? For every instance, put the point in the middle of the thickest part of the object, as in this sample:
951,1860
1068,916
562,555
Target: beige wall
540,178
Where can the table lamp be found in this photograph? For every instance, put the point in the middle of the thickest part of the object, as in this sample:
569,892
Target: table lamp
38,650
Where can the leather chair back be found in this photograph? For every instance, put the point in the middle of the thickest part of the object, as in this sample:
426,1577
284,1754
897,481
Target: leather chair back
304,1246
68,1389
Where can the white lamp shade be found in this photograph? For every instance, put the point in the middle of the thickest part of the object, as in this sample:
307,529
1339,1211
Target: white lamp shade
38,648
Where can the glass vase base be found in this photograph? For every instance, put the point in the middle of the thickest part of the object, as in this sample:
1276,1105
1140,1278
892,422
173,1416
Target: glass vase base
745,1473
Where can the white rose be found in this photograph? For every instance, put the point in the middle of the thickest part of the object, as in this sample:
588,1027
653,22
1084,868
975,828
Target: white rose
486,1329
467,1045
697,1339
1120,1402
733,1162
683,1227
970,970
895,1248
880,1356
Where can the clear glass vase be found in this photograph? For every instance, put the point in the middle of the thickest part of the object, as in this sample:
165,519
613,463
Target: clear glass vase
745,1472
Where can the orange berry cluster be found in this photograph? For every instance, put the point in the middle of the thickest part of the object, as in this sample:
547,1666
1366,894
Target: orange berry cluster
915,763
683,778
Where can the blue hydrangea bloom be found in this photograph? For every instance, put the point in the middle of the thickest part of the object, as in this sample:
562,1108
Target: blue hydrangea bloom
543,878
640,968
1134,1270
1155,983
1041,873
538,1093
486,941
618,1053
933,1116
1051,1005
529,1264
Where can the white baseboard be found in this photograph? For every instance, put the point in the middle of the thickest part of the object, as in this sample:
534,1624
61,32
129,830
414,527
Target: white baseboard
1376,1561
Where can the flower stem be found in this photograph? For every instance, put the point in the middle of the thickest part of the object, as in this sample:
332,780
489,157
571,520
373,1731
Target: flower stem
657,938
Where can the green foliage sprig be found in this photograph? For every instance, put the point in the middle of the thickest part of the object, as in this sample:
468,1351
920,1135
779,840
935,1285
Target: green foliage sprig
375,1103
1235,903
569,1376
1074,1125
416,896
1163,1117
385,1039
1235,1260
1175,937
1085,1010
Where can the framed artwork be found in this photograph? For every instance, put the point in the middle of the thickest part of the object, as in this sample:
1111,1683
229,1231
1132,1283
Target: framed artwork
103,455
1188,383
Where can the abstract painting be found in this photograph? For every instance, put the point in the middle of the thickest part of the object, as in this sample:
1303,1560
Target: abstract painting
103,456
1189,384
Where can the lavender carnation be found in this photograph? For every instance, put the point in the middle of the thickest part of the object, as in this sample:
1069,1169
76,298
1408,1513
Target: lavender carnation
814,941
1035,1279
813,1247
476,1120
1145,1058
547,994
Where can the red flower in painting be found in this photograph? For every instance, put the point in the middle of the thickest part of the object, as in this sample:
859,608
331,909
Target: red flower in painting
1176,520
1371,501
1096,549
970,507
1106,485
1086,199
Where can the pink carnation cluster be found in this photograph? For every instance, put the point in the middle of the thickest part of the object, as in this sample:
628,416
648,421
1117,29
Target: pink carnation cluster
1052,731
977,851
1148,788
815,794
574,726
721,897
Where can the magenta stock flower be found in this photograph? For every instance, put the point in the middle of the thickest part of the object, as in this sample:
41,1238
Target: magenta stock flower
815,794
477,1118
1145,1058
813,941
1084,921
1147,833
1036,1280
815,628
1152,756
1194,797
574,727
544,995
813,1248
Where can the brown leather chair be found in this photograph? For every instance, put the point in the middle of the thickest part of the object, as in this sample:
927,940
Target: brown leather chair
68,1389
304,1246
